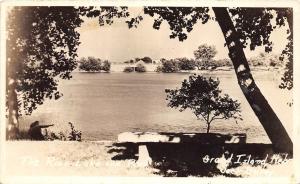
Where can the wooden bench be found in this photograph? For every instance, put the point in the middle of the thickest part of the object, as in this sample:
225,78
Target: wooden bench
144,138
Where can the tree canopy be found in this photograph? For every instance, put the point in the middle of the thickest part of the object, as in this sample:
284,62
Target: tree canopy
204,55
41,47
203,96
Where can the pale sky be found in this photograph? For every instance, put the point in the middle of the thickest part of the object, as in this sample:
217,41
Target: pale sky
117,43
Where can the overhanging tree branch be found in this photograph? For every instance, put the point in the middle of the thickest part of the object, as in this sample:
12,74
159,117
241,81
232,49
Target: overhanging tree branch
269,120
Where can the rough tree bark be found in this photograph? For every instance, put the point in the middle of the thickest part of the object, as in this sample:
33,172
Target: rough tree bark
267,117
12,104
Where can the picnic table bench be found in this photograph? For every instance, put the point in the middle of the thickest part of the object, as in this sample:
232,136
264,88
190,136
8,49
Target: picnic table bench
142,139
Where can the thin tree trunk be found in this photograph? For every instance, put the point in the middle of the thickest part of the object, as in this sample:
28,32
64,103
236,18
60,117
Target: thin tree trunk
208,127
267,117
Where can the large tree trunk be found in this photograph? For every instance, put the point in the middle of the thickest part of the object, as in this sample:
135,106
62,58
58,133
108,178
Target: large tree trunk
267,117
12,69
12,102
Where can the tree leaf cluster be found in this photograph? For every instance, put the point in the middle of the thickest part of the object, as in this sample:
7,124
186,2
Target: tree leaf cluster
180,19
41,47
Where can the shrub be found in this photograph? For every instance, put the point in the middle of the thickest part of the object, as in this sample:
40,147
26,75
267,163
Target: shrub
74,135
147,60
128,69
158,69
106,66
140,68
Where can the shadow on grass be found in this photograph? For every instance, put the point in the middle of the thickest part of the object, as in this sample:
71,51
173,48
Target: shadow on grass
194,159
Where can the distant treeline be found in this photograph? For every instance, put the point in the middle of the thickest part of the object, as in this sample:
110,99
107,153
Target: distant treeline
204,60
92,64
139,68
267,60
179,64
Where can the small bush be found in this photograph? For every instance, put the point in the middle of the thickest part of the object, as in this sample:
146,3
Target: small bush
159,69
128,69
106,66
74,135
140,68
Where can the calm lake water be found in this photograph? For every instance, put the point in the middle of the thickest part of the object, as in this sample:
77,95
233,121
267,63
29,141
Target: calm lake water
103,105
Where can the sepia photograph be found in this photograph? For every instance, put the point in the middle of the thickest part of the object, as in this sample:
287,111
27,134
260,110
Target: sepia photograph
166,92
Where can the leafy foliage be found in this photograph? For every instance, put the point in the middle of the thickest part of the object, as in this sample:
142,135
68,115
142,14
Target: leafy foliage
146,60
140,68
255,27
204,55
128,69
287,79
105,14
90,64
264,59
106,66
74,135
204,98
168,66
205,51
186,64
180,19
221,62
41,48
130,61
287,53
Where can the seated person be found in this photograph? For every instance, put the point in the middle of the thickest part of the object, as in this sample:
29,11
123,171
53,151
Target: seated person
35,130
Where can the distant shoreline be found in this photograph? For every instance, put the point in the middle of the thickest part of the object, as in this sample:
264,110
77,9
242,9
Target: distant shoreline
219,69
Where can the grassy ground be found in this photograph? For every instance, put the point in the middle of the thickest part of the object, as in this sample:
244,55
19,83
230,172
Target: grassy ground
64,158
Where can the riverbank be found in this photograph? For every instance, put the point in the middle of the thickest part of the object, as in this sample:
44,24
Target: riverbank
63,158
